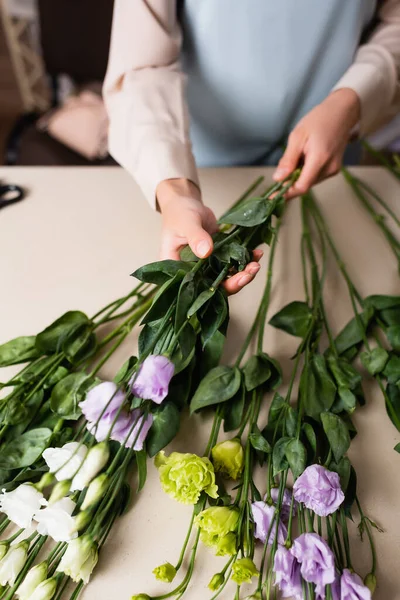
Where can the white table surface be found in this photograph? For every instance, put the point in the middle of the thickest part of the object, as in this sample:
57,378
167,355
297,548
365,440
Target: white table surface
72,244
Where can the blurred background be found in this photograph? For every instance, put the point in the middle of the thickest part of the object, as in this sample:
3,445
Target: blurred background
53,57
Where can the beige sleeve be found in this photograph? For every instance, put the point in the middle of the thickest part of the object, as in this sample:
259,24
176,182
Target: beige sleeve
375,73
144,92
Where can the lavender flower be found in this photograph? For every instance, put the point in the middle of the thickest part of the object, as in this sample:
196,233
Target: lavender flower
102,400
263,515
287,574
153,378
319,489
316,560
286,502
138,425
352,587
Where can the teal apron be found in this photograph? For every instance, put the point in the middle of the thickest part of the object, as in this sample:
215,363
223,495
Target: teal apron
255,67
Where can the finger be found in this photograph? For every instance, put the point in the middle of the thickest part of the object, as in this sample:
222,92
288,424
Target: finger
240,280
170,246
313,164
291,157
199,239
258,254
210,221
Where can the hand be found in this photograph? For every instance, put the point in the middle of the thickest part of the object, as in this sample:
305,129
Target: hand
320,138
187,221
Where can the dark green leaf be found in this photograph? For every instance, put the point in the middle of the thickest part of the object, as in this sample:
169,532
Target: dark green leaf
346,401
296,455
343,372
148,336
164,428
32,406
141,461
311,437
391,316
250,213
256,371
161,271
351,493
343,469
317,388
337,433
180,387
214,316
393,404
392,369
125,370
374,360
278,406
25,450
18,350
219,385
125,498
35,370
80,343
397,448
200,301
164,299
14,412
352,334
294,318
381,302
186,297
393,335
67,394
233,410
291,421
187,255
52,338
211,354
279,461
258,441
55,377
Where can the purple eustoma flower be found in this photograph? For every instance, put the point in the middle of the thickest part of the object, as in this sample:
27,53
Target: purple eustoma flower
352,587
286,502
153,378
317,563
136,427
287,574
319,489
263,515
102,400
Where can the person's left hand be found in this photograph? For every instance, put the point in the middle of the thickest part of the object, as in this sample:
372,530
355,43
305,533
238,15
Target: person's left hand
320,138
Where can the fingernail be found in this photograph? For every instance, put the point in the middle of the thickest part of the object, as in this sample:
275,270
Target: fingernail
280,173
244,280
254,270
202,248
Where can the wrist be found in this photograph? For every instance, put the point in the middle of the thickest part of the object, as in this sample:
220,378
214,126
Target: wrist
348,101
171,190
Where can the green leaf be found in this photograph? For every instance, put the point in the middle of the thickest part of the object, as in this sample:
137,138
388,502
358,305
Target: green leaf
25,450
200,301
219,385
317,388
392,369
351,493
343,372
391,316
381,302
310,435
32,406
279,461
55,377
234,252
393,404
141,461
278,406
343,469
233,410
162,271
14,412
256,371
214,316
148,337
352,334
291,421
164,428
258,441
393,335
250,213
397,448
125,370
186,297
347,401
374,360
18,350
67,394
337,433
51,339
296,455
80,343
164,298
294,318
211,354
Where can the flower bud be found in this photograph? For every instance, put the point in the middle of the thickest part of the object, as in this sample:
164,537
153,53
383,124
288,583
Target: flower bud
216,582
228,458
4,546
141,597
46,590
46,480
13,563
60,490
33,579
96,490
96,459
243,570
165,572
82,519
79,559
370,582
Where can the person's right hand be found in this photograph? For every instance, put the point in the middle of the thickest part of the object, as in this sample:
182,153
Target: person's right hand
187,221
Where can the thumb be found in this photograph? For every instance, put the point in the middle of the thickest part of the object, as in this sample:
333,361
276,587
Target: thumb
291,157
198,239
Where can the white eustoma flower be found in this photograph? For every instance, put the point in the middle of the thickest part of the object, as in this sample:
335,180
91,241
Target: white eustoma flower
55,520
34,577
46,590
4,546
13,562
95,460
80,559
65,462
21,504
